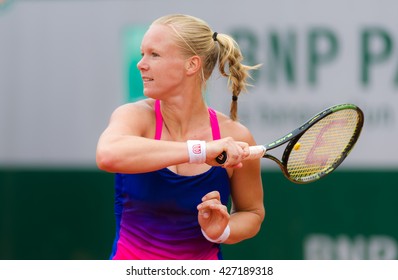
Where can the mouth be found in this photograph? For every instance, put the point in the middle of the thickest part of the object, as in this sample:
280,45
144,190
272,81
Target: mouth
147,79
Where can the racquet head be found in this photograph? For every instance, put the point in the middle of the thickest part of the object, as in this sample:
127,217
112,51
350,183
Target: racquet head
323,145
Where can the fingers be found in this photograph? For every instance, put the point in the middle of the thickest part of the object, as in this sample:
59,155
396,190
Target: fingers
206,210
211,202
236,152
211,195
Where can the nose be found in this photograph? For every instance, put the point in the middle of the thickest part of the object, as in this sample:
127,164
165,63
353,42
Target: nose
142,65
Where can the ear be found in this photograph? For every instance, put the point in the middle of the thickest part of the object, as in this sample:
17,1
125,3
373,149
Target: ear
193,65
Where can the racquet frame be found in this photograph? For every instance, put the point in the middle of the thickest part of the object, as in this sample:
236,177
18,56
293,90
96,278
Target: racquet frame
292,137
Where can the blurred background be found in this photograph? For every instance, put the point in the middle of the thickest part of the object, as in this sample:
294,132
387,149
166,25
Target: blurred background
66,65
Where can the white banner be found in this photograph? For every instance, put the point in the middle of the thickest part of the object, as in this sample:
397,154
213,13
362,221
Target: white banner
190,270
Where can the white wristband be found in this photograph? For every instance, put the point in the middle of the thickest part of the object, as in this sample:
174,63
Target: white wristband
196,151
224,236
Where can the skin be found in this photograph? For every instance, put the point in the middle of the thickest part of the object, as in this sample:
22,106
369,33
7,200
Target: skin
127,144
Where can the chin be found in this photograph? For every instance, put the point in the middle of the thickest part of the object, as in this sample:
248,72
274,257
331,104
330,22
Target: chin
148,94
151,95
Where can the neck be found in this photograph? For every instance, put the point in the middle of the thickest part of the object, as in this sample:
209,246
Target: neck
185,119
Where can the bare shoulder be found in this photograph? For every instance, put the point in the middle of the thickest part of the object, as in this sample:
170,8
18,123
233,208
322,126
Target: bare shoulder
145,106
234,129
137,117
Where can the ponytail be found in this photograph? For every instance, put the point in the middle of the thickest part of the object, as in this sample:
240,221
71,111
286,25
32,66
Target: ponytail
238,73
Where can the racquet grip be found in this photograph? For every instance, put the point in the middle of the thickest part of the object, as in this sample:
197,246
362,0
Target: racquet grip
255,152
222,158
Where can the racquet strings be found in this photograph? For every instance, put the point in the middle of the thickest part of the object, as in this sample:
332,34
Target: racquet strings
324,144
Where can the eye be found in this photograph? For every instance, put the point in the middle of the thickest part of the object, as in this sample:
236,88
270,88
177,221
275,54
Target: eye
155,54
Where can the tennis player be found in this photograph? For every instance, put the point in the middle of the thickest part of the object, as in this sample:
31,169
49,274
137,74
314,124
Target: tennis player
171,196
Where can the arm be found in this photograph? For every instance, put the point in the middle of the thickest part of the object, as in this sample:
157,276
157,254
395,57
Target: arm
127,144
247,211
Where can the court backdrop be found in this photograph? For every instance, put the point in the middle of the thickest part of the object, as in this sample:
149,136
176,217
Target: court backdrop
66,65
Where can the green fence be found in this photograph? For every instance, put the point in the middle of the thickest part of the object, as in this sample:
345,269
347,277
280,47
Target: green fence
68,214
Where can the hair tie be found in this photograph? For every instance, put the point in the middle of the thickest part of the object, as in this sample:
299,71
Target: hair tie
234,98
215,36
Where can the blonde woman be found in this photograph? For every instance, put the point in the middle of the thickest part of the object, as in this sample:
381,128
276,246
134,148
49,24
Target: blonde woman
171,195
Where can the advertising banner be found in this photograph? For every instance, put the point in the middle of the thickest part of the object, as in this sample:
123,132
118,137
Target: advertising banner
66,65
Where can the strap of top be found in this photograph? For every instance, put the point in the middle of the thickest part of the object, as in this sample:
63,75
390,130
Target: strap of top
159,120
215,129
212,115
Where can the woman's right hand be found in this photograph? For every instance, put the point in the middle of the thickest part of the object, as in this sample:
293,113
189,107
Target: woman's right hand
236,152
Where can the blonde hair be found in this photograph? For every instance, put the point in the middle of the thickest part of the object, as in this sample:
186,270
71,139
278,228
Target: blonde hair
195,37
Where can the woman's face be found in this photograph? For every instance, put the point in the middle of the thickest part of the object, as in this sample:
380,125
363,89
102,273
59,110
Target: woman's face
162,65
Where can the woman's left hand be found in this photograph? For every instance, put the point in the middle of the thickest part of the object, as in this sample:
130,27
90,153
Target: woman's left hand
213,216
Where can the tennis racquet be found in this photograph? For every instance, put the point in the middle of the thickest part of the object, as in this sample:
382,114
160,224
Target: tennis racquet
317,147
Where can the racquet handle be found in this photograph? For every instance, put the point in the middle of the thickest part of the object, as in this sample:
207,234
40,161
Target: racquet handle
255,152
